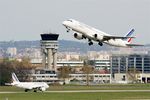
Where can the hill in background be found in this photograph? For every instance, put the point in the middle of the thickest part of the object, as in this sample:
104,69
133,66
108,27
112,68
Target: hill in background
64,46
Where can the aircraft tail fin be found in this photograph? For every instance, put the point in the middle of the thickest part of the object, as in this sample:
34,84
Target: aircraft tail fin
129,34
14,78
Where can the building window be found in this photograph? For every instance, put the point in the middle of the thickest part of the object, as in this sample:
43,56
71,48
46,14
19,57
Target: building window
123,78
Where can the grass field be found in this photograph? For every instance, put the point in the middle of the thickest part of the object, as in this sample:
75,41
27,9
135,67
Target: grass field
77,96
80,96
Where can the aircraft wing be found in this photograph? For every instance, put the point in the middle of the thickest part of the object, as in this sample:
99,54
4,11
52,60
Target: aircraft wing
106,38
131,45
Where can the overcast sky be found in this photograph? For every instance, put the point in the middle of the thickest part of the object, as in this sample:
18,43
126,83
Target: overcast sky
26,19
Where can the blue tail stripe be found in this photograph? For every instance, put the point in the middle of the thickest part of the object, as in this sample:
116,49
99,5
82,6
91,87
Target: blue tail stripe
130,33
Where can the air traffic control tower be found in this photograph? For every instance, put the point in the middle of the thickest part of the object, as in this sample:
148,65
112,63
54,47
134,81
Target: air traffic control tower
49,46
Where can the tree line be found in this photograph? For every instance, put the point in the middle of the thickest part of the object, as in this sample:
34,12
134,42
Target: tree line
21,68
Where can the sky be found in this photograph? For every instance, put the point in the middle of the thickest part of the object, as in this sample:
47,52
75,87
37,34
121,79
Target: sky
27,19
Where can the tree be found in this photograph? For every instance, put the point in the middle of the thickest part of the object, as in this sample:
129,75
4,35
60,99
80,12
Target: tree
64,72
132,74
87,70
22,70
5,72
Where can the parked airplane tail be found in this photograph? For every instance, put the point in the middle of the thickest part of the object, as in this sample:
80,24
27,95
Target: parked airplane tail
14,78
129,35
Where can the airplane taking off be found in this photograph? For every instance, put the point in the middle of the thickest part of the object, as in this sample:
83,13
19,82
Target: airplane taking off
42,86
83,31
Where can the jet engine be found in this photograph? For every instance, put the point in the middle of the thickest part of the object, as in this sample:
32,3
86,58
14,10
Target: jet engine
95,35
42,89
78,36
98,37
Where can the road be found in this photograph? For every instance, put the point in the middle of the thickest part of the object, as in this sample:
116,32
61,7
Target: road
82,91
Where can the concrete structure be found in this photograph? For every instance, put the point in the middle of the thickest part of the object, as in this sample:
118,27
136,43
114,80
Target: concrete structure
68,56
126,68
101,64
124,63
48,76
120,78
74,78
49,46
45,76
70,63
124,78
144,78
93,78
101,60
37,62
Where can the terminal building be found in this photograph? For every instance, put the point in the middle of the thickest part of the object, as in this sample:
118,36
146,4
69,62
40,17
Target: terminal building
124,66
100,60
117,66
123,63
50,77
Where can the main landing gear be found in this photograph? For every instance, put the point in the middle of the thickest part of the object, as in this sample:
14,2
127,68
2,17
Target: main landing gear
100,43
90,42
26,90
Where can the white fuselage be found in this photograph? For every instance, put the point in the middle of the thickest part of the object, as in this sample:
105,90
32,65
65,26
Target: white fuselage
31,85
89,32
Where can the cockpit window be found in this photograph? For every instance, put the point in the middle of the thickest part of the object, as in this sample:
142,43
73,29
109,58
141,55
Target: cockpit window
69,20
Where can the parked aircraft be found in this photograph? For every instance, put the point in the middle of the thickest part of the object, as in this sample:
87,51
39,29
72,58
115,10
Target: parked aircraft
83,31
41,86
